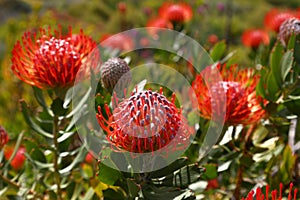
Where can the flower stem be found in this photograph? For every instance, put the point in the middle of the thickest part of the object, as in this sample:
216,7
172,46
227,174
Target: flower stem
55,156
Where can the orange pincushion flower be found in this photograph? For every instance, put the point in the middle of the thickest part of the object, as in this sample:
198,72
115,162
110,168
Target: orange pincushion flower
275,195
145,122
51,61
255,37
242,104
176,12
274,18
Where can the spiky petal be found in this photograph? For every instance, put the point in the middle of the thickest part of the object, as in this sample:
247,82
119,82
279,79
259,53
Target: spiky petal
51,61
145,122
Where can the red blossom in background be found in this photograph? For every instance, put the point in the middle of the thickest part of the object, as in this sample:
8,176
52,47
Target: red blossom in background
145,122
275,195
51,60
242,103
118,41
255,37
213,39
3,137
18,161
274,18
158,23
176,12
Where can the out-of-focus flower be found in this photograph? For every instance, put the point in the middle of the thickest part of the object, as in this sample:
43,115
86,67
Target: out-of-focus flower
157,23
52,61
212,184
255,37
122,7
242,104
287,28
89,158
145,122
119,41
212,39
201,9
176,12
275,194
3,137
113,70
148,11
18,161
274,18
220,6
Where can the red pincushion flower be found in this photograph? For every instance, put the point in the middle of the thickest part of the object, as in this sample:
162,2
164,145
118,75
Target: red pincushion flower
18,161
145,122
158,23
51,61
242,103
3,137
212,39
89,158
176,12
275,196
255,37
118,41
274,18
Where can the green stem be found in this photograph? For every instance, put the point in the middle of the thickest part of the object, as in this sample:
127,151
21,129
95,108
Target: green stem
55,156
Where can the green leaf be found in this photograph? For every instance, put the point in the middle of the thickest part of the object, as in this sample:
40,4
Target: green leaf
78,159
260,88
275,59
287,165
133,188
176,165
35,151
286,64
272,88
108,175
246,160
31,123
291,42
218,51
210,172
297,49
58,108
259,134
39,96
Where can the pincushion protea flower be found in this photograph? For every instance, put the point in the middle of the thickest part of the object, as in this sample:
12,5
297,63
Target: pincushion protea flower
176,12
275,196
274,18
51,61
3,137
255,37
145,122
287,28
242,104
113,70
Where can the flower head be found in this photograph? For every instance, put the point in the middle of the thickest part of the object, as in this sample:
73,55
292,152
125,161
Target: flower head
113,70
145,122
242,104
3,137
118,41
287,28
49,60
18,161
176,12
255,37
274,18
275,195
